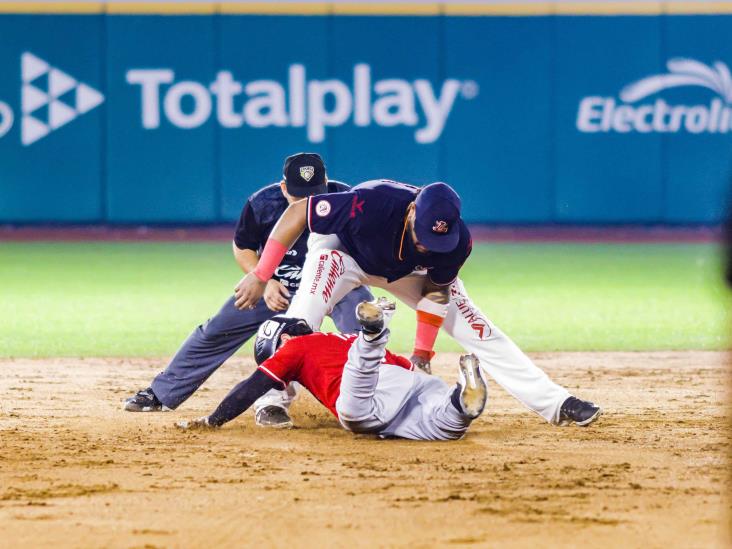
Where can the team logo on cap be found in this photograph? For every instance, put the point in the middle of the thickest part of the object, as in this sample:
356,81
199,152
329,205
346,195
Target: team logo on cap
440,227
307,172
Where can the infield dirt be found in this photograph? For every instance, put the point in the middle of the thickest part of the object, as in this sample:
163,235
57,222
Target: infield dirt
76,471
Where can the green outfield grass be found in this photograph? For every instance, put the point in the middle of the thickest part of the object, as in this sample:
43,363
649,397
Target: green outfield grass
126,299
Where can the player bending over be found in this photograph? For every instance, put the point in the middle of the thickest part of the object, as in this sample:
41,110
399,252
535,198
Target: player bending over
412,242
369,389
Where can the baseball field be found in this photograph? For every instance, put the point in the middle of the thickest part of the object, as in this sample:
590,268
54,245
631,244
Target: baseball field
640,328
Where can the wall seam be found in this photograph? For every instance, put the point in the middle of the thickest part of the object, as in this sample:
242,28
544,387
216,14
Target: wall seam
103,146
218,129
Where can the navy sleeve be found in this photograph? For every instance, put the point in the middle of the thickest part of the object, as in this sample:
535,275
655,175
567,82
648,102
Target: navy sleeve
248,233
444,275
242,397
329,213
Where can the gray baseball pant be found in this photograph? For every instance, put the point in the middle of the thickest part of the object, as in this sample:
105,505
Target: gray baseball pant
395,402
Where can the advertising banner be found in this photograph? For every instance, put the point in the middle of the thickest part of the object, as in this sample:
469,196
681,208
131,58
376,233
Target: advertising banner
176,118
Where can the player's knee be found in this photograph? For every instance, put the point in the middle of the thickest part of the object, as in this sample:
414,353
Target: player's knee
352,410
440,296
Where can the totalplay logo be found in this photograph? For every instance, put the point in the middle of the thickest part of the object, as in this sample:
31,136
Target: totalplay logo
299,101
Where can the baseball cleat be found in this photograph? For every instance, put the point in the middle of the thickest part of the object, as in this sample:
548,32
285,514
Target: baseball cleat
144,401
200,423
473,387
579,412
375,315
275,417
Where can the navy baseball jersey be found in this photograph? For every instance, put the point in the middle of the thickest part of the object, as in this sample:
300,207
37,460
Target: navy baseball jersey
259,216
371,222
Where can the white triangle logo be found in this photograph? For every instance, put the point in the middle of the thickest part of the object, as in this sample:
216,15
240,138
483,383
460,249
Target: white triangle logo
60,114
33,98
32,67
32,130
87,98
59,83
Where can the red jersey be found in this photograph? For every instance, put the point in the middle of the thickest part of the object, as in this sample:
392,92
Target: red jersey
316,361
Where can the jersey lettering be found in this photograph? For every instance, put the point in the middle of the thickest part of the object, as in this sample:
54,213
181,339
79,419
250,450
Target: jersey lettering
337,268
356,206
318,273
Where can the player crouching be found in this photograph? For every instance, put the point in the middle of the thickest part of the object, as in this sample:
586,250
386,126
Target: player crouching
368,388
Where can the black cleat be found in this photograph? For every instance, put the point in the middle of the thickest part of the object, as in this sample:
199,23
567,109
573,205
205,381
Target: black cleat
144,401
272,416
579,412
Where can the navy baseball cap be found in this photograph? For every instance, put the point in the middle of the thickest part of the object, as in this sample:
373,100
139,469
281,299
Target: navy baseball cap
304,175
437,218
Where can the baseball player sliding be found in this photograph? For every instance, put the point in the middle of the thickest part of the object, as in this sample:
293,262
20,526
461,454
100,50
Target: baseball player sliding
368,388
412,242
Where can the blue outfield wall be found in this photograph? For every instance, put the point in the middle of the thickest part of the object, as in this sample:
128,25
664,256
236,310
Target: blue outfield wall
534,119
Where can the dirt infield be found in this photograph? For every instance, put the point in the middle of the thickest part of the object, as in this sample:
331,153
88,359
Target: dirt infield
76,471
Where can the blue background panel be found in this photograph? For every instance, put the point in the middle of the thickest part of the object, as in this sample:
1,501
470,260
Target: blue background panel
698,167
165,174
498,145
511,144
405,48
605,177
59,177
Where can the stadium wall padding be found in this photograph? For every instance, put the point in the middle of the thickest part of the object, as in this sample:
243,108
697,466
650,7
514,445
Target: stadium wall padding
533,119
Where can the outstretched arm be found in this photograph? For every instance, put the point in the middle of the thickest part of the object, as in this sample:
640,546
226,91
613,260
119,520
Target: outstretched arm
431,312
242,397
432,308
285,233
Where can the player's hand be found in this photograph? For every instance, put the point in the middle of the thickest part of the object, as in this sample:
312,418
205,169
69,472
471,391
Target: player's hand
421,363
200,423
276,296
248,292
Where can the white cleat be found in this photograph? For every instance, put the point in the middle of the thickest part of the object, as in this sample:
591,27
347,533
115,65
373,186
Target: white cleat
473,387
273,417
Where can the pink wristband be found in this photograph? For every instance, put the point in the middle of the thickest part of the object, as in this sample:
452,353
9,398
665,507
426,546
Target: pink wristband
270,259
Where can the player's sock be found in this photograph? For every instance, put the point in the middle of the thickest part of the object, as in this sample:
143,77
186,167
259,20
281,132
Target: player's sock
376,338
455,399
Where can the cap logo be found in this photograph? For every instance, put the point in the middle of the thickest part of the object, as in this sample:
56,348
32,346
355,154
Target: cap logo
440,227
307,172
